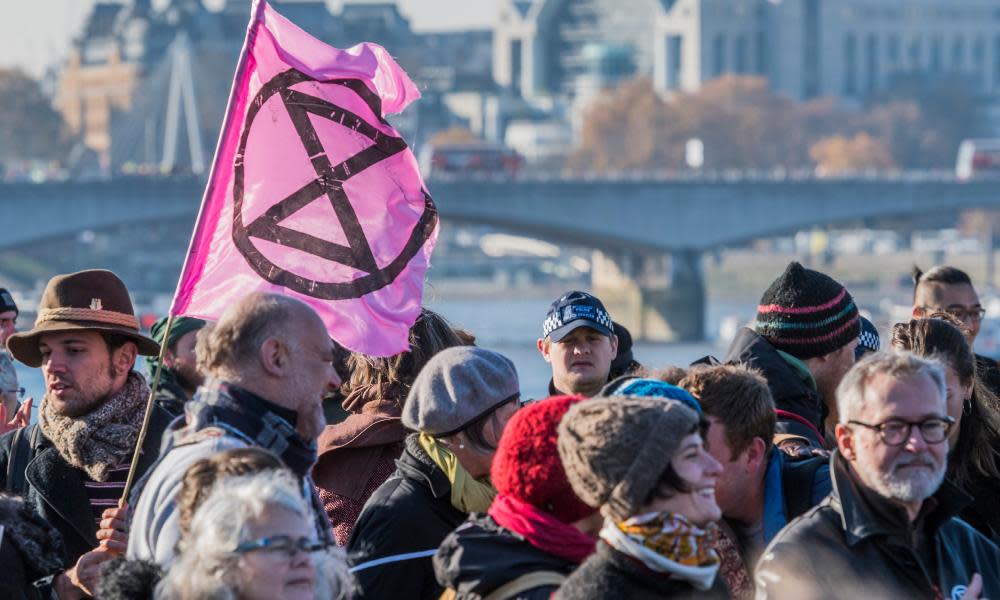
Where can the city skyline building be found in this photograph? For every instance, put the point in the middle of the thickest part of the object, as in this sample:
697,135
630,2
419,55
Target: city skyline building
114,90
555,55
806,48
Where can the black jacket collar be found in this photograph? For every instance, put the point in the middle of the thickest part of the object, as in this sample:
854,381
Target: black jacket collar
789,391
861,520
480,556
415,464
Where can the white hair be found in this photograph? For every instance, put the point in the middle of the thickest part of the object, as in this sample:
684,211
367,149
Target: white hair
896,364
207,562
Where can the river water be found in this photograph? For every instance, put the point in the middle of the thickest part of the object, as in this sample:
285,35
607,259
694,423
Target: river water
511,327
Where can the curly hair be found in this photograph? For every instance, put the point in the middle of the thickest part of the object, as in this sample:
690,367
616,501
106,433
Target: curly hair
377,378
208,566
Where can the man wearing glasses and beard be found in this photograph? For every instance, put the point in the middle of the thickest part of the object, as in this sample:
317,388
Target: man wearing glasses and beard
887,530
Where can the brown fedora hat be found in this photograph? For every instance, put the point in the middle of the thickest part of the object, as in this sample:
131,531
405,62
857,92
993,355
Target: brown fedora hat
96,300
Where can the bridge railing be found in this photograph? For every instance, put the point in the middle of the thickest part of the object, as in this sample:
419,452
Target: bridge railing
777,175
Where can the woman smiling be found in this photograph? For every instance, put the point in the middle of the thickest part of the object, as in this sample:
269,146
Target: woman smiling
643,462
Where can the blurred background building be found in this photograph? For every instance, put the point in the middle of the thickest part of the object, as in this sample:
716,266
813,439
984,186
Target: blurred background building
555,53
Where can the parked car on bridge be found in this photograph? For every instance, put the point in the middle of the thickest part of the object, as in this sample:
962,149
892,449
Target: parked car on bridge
477,159
978,158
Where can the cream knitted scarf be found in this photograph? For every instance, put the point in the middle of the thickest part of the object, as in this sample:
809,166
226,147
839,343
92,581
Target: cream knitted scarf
104,437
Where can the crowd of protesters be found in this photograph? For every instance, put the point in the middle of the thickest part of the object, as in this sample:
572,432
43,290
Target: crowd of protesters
808,462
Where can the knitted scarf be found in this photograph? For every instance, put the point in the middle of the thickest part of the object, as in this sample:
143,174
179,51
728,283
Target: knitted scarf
541,529
468,494
667,543
102,438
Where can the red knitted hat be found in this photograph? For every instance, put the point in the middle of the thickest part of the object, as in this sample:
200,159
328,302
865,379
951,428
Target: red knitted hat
527,465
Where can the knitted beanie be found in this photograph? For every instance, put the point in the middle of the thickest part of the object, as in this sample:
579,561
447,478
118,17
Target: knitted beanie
630,385
615,450
807,314
527,466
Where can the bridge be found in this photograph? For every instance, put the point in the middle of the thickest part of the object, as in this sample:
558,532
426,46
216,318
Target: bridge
649,234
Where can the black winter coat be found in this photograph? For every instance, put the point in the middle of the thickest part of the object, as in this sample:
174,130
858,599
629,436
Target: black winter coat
790,393
400,529
848,547
609,575
55,490
480,556
170,396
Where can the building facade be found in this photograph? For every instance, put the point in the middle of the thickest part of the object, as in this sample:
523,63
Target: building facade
113,89
806,48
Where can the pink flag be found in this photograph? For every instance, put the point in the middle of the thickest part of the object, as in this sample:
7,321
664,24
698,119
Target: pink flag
312,193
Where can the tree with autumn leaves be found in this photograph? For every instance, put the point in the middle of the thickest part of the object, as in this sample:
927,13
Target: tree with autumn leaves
744,125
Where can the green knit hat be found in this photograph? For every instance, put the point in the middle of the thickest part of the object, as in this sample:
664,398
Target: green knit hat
180,327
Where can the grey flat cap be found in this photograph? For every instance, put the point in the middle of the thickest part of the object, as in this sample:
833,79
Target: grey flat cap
458,386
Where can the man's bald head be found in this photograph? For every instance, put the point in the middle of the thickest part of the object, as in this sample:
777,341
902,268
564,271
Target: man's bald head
231,346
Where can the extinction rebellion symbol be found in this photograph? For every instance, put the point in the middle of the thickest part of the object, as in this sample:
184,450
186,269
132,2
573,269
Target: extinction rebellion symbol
329,182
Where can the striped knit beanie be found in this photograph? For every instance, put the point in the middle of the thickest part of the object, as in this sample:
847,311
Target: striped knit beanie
807,314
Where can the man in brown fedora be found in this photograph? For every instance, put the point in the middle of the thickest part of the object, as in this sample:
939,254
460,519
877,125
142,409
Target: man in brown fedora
71,466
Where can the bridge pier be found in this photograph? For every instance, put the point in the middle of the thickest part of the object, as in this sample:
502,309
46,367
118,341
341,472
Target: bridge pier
659,297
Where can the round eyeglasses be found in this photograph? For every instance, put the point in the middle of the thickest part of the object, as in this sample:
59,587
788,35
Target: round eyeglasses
895,432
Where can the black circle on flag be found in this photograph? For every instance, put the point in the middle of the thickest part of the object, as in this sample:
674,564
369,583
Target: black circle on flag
329,182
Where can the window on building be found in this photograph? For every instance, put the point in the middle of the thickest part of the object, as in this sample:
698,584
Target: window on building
937,60
742,55
996,62
515,65
915,52
958,53
871,63
761,47
811,64
674,48
850,65
892,50
979,73
718,55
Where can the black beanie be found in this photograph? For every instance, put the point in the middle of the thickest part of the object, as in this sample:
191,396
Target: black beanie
807,314
7,302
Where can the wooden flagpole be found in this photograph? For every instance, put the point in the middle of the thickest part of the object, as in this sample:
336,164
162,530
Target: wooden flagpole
149,411
257,9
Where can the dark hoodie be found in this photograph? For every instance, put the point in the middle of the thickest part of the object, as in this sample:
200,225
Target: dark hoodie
480,556
801,411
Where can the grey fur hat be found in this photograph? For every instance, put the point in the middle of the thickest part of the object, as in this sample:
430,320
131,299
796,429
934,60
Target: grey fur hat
457,387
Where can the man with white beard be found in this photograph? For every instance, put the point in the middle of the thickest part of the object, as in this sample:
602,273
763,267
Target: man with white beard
887,530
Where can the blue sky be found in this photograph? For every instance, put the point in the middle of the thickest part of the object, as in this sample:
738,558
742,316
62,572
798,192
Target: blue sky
36,33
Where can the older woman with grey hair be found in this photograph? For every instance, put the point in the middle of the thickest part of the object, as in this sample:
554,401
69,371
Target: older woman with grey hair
253,539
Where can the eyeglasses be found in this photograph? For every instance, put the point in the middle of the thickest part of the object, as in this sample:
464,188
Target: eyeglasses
282,544
895,432
19,391
971,314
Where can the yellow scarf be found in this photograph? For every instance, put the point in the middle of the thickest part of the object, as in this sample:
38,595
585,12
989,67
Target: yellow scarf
468,494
